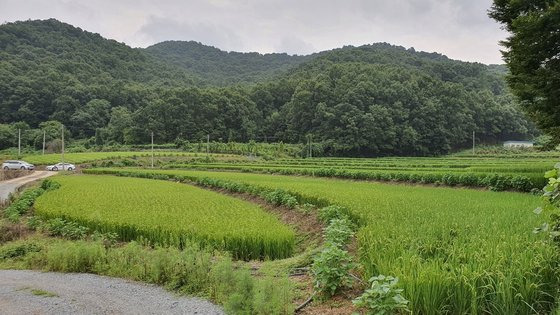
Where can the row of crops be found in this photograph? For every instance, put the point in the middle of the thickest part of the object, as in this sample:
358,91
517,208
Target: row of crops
496,177
454,250
168,214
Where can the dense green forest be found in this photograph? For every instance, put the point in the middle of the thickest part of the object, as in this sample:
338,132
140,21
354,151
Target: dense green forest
364,101
217,67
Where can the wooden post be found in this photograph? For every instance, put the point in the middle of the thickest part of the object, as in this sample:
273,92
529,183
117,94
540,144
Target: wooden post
208,145
152,149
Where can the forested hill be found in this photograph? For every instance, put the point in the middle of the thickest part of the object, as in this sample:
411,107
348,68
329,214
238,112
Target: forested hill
364,101
219,67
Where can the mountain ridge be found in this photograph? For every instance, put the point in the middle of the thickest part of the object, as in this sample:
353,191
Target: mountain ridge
376,99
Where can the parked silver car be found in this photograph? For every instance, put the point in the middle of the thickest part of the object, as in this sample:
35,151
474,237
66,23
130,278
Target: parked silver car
61,167
17,165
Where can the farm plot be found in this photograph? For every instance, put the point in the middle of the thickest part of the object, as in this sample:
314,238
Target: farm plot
167,213
455,250
521,174
95,156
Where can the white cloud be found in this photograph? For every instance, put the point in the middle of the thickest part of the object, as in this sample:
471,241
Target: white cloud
457,28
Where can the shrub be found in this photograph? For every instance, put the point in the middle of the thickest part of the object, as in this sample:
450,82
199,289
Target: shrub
280,197
22,204
14,250
71,230
382,297
330,270
326,214
339,231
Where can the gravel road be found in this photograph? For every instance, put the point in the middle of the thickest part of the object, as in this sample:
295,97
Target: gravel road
89,294
9,186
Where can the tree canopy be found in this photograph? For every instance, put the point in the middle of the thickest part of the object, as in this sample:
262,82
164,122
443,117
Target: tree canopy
370,100
532,55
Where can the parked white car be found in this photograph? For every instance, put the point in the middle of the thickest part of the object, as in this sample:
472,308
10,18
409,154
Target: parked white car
17,165
61,167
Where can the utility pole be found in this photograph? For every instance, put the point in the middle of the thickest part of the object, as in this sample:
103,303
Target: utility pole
309,150
44,138
310,146
19,143
473,142
152,149
208,145
62,129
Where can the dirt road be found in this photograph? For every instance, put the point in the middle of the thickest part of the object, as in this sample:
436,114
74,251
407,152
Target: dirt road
33,292
9,186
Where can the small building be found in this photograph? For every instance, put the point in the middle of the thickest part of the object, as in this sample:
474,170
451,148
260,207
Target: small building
518,144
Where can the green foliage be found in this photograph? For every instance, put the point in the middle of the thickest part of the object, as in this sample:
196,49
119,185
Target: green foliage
496,173
551,204
382,297
70,230
531,54
192,271
331,269
372,100
431,239
280,197
332,212
14,250
83,157
339,232
168,214
22,204
273,295
219,67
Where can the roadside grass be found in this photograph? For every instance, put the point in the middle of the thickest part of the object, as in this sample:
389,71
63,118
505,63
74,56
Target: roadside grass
191,271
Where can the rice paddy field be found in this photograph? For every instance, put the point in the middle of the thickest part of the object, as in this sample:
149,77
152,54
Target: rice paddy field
84,157
518,172
455,250
166,213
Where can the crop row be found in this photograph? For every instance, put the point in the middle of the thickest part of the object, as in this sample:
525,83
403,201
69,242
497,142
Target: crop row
168,214
494,181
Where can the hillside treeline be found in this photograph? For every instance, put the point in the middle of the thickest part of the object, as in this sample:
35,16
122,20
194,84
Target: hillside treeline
363,101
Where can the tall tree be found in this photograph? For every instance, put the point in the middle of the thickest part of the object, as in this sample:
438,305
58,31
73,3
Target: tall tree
533,57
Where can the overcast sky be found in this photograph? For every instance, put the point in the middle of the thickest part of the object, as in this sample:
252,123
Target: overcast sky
459,29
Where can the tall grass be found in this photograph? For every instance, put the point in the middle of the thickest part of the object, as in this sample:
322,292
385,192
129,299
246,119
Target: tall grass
191,271
167,213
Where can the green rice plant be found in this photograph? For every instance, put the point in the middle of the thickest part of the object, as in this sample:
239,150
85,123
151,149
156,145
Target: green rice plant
167,213
84,157
504,180
454,250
